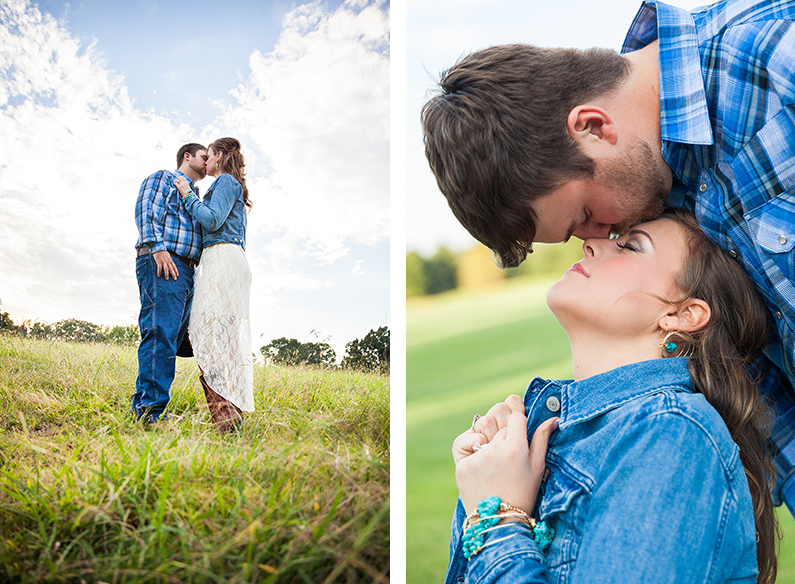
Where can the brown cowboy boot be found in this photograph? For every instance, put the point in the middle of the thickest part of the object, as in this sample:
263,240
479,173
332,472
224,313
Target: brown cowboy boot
226,415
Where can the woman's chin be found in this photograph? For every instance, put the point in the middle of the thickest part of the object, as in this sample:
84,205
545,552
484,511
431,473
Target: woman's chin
553,297
562,304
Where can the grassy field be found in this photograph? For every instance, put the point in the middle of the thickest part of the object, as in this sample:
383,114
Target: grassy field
465,351
88,495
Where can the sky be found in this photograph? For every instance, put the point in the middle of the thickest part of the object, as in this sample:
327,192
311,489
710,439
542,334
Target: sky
96,95
439,32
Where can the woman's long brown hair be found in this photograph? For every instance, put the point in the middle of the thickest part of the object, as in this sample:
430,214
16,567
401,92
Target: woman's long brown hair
232,162
721,354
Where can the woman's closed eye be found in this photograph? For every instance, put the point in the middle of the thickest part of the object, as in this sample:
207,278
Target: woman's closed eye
628,245
636,240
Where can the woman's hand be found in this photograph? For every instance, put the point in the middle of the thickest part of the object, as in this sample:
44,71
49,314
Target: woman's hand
183,186
485,427
507,468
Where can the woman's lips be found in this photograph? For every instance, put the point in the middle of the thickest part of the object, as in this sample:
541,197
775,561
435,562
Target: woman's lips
578,268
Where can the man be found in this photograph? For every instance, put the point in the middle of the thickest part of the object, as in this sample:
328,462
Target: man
168,247
532,144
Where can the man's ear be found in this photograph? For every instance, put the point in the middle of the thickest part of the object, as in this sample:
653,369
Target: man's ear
591,122
692,315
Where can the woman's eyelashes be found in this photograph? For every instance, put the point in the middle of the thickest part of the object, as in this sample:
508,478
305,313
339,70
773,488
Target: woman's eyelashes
628,245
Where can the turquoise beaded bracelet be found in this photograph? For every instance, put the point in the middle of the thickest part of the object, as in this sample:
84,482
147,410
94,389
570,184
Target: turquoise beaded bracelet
488,515
473,536
543,534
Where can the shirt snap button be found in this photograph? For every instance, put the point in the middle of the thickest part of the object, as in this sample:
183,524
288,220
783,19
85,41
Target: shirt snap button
732,253
702,187
553,404
782,239
778,315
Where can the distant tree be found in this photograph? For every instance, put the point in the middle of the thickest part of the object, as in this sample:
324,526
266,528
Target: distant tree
6,324
77,331
431,276
370,353
416,282
39,330
284,351
318,354
441,272
123,335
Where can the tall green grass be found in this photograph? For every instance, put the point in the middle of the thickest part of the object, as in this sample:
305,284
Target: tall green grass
301,494
465,351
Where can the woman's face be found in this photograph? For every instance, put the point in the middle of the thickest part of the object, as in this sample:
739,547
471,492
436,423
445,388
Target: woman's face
213,158
618,285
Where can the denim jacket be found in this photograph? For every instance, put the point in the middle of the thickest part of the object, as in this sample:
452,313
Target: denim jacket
645,485
222,212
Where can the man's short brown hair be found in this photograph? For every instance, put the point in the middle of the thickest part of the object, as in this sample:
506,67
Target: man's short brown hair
191,148
496,136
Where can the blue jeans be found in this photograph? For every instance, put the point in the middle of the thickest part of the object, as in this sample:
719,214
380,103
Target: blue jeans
163,320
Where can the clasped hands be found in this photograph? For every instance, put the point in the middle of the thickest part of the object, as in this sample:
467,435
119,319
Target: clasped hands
505,466
183,186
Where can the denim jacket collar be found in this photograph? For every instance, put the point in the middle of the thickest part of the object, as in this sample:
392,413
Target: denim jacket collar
590,397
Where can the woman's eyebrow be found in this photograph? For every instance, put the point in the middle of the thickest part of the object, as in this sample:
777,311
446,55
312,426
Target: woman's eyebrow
641,232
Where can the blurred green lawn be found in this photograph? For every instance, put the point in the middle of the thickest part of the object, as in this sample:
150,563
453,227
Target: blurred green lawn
464,352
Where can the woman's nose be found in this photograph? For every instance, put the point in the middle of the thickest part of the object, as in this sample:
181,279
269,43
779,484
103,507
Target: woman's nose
593,247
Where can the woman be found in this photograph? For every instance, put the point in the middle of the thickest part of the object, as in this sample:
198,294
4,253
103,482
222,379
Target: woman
656,464
219,327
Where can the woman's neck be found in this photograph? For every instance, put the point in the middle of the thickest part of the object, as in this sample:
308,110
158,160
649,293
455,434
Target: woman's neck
596,353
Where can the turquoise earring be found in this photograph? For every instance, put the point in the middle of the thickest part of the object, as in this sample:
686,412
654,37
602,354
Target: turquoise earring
668,346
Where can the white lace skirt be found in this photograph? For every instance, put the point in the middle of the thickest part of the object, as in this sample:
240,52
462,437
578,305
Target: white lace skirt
220,330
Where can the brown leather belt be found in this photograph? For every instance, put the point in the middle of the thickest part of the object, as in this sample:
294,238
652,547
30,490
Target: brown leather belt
145,250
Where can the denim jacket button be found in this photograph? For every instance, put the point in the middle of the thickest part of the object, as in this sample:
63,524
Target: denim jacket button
553,404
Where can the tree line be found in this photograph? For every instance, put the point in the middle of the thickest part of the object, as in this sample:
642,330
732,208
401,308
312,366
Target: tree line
474,268
72,330
371,353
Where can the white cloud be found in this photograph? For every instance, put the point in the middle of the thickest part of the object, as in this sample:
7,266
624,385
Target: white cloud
312,116
74,150
316,109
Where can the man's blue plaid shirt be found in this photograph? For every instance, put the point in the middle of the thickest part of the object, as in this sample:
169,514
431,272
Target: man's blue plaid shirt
727,93
163,222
